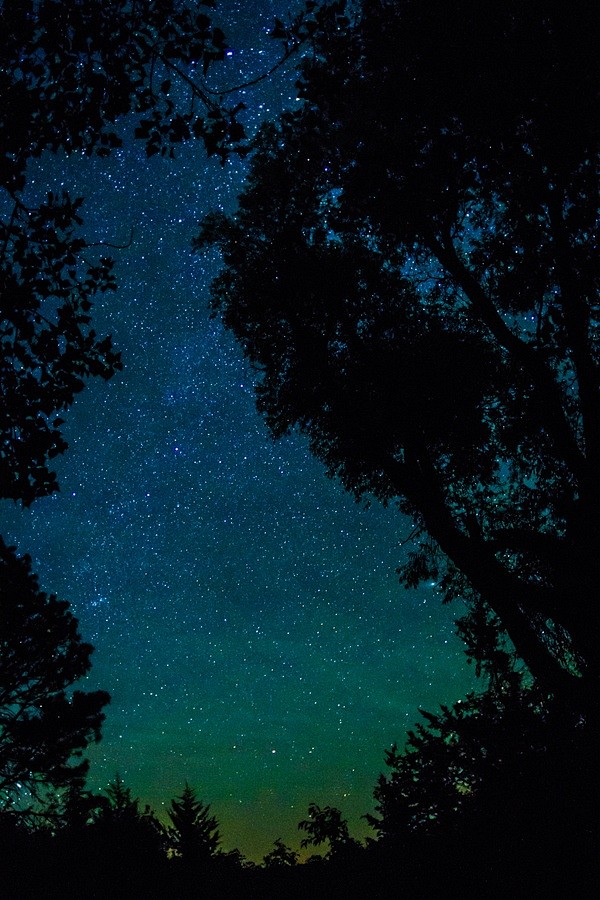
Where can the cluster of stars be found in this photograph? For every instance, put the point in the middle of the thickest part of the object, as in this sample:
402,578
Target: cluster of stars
245,611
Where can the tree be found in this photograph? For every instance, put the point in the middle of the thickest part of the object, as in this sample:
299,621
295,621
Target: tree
452,759
281,856
71,71
121,822
78,807
497,786
121,805
327,824
69,75
111,842
43,724
194,834
412,271
47,346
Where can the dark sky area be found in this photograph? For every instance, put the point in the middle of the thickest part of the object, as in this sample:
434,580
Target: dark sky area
245,611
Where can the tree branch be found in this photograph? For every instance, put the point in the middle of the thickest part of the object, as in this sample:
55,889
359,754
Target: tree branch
523,353
509,597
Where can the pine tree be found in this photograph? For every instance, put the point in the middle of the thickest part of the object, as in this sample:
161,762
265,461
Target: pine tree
194,835
127,836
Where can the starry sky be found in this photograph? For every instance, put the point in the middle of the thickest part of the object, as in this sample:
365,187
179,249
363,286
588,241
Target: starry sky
245,611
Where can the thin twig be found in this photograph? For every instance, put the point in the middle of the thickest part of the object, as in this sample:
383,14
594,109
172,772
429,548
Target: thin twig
113,246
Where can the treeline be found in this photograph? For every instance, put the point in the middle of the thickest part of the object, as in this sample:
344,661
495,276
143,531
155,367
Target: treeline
412,271
496,793
492,796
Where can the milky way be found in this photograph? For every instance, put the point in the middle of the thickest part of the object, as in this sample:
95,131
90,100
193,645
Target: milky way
245,611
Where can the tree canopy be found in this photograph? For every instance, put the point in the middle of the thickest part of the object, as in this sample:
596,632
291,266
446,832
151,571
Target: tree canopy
70,73
413,273
325,824
194,833
73,78
43,723
280,856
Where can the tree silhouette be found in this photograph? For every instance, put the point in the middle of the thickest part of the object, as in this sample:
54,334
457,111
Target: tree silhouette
110,842
413,273
71,71
122,805
326,824
47,345
453,756
194,834
122,820
77,807
69,74
497,790
43,724
280,856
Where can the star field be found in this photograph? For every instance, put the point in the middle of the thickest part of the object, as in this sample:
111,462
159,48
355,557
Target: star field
245,611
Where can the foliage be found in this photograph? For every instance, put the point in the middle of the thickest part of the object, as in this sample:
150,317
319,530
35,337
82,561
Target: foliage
413,273
69,74
327,824
43,724
194,835
70,71
280,856
76,807
122,829
499,782
122,805
47,345
454,757
497,789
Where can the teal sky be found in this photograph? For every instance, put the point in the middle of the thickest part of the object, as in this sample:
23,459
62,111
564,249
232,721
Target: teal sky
245,611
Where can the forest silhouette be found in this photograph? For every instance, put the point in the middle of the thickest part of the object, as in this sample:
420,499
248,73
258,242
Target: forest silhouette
413,272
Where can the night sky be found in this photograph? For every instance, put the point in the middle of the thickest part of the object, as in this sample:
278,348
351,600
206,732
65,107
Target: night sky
245,611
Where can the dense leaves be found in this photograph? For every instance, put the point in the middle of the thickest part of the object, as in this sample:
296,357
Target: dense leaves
458,755
126,834
413,272
43,723
74,77
69,75
47,345
325,824
280,856
70,71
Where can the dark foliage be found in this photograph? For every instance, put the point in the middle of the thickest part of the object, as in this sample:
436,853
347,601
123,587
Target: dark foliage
280,856
327,825
47,347
413,273
122,835
494,785
69,74
43,724
70,71
194,836
500,846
